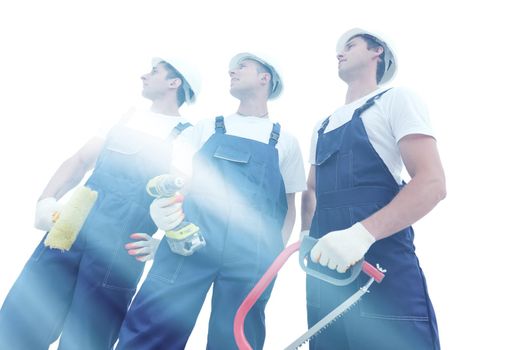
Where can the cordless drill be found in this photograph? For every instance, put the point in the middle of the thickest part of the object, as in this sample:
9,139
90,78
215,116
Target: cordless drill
186,238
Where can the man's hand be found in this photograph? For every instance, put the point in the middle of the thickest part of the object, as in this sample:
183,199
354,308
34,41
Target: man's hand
47,210
166,213
339,250
145,247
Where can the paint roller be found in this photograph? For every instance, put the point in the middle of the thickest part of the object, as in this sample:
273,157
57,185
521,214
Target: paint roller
71,219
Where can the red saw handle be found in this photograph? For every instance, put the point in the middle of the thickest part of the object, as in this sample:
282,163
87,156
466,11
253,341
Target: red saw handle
371,271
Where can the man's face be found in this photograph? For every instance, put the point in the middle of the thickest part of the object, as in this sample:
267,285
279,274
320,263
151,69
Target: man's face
155,83
355,57
245,78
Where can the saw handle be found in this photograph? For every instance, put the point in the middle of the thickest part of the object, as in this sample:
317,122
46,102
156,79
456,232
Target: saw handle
373,272
306,246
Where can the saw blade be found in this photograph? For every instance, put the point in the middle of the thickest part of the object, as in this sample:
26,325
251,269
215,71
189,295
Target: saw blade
331,317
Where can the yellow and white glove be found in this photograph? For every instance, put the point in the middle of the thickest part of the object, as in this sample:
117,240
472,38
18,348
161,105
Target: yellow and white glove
339,250
144,248
165,213
46,212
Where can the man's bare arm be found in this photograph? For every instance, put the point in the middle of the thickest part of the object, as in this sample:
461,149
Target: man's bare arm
71,172
424,191
289,221
308,201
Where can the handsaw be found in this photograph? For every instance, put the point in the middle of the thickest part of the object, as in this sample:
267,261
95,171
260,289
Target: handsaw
307,243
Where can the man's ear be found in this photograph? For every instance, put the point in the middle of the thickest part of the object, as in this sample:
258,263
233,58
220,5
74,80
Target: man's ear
265,77
379,50
175,83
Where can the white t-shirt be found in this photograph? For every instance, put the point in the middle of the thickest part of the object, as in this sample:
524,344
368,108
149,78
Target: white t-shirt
396,114
259,129
160,126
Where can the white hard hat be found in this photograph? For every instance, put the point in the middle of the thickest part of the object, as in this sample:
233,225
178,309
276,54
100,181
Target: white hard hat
389,59
277,82
191,78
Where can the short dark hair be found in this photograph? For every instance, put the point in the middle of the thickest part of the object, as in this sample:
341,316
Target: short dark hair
173,73
372,43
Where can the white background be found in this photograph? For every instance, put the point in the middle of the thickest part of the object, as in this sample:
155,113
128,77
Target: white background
69,67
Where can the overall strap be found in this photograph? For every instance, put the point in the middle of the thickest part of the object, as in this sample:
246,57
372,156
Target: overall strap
369,103
177,130
323,126
357,112
274,136
219,125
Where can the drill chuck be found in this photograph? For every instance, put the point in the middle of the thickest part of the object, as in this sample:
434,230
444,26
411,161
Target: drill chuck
165,185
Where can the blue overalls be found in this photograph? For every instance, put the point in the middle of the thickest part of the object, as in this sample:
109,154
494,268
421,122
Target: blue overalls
83,293
352,182
237,198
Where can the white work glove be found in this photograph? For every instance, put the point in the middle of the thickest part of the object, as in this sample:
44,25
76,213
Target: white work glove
166,214
145,247
338,250
45,210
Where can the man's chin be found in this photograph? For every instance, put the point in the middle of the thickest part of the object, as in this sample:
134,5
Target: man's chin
235,92
343,75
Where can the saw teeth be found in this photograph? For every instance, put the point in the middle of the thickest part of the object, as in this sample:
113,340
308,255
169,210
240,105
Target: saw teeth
300,345
326,325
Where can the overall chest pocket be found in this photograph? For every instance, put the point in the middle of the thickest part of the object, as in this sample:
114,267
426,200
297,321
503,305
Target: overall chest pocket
124,154
232,154
326,171
335,170
241,170
126,142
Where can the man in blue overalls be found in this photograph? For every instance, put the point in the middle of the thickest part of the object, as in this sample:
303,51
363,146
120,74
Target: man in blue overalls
361,207
83,294
245,175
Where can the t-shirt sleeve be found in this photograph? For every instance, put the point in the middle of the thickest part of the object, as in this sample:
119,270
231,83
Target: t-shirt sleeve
292,168
408,114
